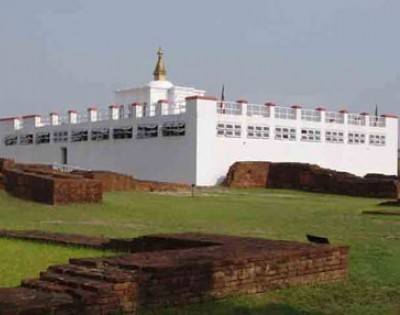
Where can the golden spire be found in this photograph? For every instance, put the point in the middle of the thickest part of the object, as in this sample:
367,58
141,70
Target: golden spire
160,72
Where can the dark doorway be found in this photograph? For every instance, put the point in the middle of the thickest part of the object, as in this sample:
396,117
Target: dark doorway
64,156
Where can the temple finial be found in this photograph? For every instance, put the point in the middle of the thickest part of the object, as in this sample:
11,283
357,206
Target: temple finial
160,72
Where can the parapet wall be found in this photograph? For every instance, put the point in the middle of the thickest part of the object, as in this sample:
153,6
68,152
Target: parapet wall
309,177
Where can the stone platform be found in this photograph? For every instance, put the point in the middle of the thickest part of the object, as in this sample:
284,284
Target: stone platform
174,269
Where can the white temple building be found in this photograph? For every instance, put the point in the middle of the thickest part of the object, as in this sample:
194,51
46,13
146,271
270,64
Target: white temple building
168,133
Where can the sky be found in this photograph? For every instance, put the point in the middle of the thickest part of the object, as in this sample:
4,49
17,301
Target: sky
60,55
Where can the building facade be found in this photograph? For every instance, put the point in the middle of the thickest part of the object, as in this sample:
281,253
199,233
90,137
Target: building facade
177,134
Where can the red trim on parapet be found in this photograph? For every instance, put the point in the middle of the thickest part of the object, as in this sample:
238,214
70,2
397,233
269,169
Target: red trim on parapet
296,106
30,116
136,104
364,114
390,116
205,98
92,109
72,111
242,101
53,114
321,109
271,104
9,118
114,106
162,101
344,111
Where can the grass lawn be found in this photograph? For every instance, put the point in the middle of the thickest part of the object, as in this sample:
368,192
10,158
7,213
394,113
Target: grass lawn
21,259
374,281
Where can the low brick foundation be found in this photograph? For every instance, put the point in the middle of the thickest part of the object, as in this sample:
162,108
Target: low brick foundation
112,181
51,187
174,270
40,183
310,177
98,242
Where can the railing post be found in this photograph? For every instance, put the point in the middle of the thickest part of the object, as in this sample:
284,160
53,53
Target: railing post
113,111
243,106
54,119
92,114
136,110
121,112
72,116
345,114
322,113
366,118
271,109
297,109
162,108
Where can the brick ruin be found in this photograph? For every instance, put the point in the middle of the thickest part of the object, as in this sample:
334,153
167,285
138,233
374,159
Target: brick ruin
52,187
165,270
119,182
311,178
40,183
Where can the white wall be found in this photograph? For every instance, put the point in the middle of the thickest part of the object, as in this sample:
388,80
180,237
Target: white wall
358,159
201,157
167,159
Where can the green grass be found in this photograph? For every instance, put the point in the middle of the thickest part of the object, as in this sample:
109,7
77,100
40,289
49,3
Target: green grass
374,280
22,259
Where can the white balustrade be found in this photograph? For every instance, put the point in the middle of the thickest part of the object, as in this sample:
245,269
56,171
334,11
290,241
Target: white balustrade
176,108
238,108
257,110
285,113
229,108
45,121
334,118
377,121
310,115
356,119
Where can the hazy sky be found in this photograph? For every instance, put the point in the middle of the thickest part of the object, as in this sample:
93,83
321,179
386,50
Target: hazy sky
57,55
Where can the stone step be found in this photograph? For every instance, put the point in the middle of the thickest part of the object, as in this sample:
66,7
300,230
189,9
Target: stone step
96,286
26,301
88,262
52,287
108,274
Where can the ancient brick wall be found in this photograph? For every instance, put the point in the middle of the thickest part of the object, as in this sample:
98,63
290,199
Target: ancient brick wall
110,181
150,186
119,182
313,178
205,267
38,182
52,187
6,164
309,177
248,174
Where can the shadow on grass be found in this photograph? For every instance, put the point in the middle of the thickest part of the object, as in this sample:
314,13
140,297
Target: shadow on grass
271,309
232,309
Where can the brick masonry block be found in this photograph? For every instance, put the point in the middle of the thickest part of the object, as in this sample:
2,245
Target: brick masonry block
312,178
